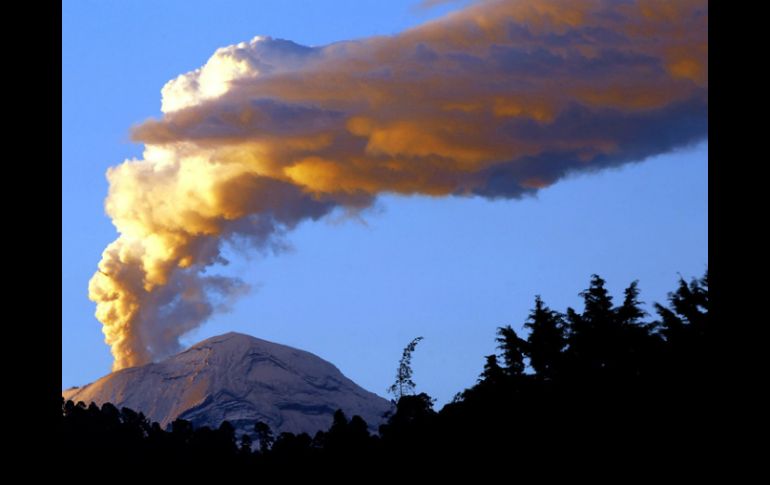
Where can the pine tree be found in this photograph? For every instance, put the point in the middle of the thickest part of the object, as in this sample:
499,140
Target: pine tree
513,349
493,374
630,312
687,317
404,384
264,436
591,333
546,339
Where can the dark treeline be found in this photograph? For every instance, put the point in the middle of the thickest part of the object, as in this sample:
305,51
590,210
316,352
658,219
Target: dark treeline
610,384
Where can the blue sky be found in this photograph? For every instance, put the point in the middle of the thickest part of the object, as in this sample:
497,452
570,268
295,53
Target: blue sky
449,269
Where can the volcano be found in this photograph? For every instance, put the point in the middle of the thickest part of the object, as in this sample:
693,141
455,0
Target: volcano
241,379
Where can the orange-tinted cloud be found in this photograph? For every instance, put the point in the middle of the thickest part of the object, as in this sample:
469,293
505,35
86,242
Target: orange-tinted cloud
500,99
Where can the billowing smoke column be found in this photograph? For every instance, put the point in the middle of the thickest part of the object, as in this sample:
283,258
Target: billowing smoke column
497,100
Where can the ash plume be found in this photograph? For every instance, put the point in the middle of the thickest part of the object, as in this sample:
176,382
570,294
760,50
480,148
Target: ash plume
499,100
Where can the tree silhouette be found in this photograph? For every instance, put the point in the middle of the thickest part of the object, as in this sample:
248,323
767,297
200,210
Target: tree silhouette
630,312
591,333
245,444
492,373
513,349
264,436
546,339
226,438
404,384
688,316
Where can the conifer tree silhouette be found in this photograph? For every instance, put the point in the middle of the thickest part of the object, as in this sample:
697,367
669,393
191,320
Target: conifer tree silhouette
404,384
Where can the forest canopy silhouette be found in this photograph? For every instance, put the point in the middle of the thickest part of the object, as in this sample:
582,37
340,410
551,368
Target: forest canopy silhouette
608,382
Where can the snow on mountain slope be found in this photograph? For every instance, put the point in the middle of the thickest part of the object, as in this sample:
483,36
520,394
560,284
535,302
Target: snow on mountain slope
240,379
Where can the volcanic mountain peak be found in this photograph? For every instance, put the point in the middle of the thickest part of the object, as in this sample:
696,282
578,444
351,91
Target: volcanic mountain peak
241,379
